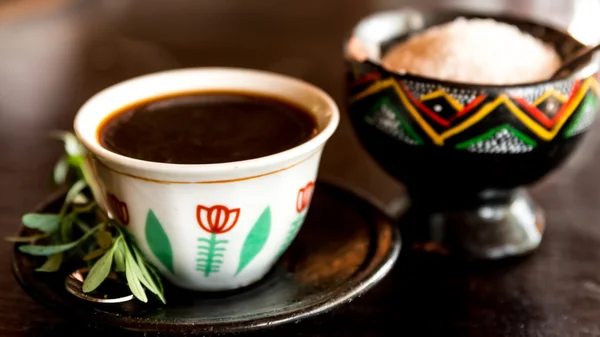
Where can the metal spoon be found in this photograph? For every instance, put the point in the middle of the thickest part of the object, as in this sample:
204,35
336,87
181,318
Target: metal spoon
117,292
575,61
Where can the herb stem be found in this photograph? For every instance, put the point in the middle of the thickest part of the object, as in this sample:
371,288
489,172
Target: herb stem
88,207
83,226
90,232
63,210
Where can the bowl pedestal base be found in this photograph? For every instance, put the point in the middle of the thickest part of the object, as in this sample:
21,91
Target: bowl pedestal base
495,224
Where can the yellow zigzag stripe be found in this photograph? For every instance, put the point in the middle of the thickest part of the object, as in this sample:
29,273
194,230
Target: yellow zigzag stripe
440,92
551,92
484,111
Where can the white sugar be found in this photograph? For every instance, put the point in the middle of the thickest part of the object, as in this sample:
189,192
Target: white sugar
481,51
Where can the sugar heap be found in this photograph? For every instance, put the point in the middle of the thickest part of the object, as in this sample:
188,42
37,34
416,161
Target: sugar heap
478,51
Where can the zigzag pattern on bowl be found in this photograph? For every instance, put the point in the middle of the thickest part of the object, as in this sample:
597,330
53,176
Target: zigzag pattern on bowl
420,113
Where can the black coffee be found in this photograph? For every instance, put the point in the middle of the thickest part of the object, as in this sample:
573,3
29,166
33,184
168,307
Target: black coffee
206,128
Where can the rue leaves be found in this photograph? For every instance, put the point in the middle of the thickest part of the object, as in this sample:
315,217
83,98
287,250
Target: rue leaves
82,232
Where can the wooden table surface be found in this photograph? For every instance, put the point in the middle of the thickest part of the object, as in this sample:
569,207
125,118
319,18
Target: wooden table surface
54,54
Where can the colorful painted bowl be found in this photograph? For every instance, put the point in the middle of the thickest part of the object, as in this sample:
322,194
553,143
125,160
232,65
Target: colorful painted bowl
463,150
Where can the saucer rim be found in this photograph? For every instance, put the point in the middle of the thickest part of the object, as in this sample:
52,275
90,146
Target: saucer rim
353,287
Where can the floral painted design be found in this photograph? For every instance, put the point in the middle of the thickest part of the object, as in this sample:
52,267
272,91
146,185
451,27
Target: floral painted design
215,220
118,208
303,199
304,196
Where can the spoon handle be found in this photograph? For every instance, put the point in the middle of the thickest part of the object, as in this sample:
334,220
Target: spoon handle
575,61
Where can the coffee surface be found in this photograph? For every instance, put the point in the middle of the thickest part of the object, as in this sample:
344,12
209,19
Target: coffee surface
206,128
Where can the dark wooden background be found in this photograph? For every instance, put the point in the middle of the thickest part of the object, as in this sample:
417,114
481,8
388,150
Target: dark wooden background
54,54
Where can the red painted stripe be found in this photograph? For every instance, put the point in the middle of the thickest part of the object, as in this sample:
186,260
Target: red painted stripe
367,78
541,117
422,106
534,112
469,106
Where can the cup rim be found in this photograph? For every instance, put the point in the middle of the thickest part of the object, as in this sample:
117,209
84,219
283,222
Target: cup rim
91,142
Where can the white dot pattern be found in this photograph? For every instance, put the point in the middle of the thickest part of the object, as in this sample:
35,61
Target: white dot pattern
385,120
532,94
463,96
503,142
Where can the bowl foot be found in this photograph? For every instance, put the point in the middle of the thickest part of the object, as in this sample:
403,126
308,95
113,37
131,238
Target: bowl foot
496,224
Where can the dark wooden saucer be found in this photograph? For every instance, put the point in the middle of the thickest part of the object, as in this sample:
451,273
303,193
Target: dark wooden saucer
344,248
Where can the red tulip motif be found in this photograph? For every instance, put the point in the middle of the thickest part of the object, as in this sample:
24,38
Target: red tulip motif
304,196
217,219
119,209
302,200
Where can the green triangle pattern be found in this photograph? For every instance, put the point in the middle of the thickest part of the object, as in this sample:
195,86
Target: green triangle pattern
386,118
584,118
500,140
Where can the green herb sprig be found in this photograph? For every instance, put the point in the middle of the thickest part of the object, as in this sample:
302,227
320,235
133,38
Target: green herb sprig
105,247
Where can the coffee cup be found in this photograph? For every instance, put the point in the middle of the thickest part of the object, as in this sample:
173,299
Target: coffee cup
209,227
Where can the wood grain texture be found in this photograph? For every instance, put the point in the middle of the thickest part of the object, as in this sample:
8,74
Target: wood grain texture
50,64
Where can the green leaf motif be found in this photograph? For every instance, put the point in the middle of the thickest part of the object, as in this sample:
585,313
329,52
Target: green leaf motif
158,241
209,250
255,240
46,223
293,231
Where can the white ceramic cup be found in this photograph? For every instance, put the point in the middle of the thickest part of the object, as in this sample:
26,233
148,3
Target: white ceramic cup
209,227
